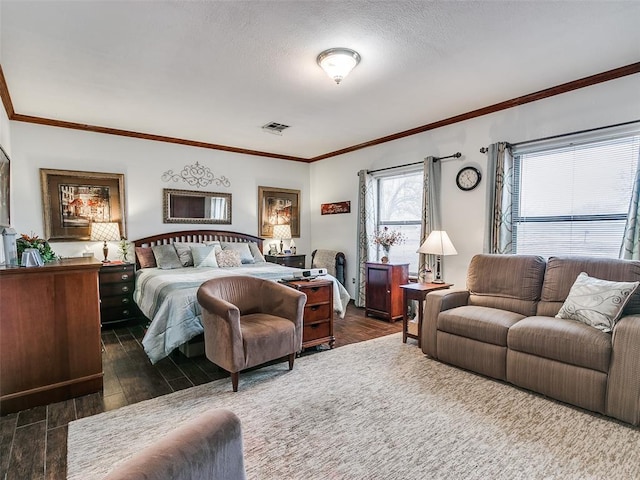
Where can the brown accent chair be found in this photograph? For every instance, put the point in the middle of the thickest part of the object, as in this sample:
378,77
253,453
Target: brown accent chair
503,326
249,321
208,447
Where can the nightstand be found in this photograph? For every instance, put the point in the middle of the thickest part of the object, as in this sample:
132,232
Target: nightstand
117,282
288,260
418,292
318,311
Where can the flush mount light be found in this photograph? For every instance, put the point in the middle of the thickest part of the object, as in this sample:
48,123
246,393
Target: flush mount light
338,62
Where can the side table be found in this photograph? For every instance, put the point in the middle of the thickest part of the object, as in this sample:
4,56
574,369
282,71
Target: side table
416,291
287,259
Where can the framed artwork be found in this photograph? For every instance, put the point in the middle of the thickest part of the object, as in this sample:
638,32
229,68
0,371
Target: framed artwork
5,171
334,208
71,200
278,206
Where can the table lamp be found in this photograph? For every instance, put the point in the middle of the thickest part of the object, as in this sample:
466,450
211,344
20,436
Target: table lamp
283,232
105,232
438,243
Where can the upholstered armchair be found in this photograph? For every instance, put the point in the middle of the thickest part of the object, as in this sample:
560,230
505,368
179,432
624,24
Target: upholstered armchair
250,321
208,447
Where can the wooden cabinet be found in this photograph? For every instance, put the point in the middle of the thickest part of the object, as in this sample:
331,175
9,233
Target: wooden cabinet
318,311
288,260
383,294
50,333
117,283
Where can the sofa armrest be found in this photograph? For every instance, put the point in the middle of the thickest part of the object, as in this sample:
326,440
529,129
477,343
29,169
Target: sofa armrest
437,302
623,386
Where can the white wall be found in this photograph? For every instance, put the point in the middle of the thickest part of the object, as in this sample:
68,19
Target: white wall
335,179
142,162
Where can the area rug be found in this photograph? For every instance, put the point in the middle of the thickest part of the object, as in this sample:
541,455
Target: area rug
375,410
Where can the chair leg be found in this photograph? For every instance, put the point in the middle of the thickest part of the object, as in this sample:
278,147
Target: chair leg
292,357
234,380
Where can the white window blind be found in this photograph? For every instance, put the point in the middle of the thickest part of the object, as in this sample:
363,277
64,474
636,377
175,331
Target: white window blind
400,208
574,199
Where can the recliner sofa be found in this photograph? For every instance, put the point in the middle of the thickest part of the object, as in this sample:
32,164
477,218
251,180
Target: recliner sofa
504,326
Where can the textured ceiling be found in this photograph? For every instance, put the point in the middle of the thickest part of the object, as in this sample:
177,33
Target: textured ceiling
216,71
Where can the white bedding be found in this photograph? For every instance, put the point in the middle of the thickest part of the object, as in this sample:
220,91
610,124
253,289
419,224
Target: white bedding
168,299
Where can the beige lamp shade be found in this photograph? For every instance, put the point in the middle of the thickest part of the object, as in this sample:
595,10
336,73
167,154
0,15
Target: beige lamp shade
105,232
438,243
282,231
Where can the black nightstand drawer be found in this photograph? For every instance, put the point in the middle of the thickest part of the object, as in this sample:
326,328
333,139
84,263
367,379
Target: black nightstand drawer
117,314
109,289
296,261
116,301
117,283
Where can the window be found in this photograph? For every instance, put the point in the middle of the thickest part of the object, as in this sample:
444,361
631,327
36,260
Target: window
573,198
400,208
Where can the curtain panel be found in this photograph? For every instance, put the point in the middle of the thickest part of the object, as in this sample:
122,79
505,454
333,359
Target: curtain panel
630,249
499,219
366,228
431,219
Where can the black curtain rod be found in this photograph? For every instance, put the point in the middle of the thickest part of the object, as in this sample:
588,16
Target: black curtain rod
486,149
455,155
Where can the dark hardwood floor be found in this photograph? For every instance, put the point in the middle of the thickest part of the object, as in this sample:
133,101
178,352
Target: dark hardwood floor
33,443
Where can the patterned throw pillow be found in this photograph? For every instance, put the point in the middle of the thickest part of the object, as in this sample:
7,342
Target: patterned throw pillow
145,257
204,255
166,257
228,258
242,248
597,302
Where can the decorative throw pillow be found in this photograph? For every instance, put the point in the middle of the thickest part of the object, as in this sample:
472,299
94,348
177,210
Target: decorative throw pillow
145,257
597,302
257,254
166,257
213,242
183,249
242,248
228,258
204,255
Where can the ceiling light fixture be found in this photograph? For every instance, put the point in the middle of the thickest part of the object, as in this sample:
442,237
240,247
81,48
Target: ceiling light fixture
338,62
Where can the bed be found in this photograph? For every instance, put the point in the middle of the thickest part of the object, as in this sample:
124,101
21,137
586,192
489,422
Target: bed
167,296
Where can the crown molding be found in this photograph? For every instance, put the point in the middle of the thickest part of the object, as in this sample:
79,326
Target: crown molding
602,77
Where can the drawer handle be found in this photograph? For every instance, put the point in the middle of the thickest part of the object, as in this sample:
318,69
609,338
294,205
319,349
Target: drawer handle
125,300
125,289
125,312
124,276
315,289
314,307
315,325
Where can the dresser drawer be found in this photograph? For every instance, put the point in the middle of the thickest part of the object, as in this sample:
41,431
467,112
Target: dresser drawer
112,289
126,274
317,330
116,301
317,294
313,313
115,314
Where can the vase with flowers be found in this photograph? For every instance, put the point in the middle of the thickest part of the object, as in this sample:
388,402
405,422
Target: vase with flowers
386,239
40,244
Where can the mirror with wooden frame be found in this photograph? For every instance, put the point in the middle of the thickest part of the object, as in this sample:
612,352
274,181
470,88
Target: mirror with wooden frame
193,206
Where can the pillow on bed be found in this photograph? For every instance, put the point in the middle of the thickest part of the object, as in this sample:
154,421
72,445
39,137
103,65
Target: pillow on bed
228,258
166,257
204,255
183,249
242,248
257,254
213,242
145,257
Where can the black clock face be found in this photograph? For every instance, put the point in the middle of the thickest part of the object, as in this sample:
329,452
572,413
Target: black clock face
468,178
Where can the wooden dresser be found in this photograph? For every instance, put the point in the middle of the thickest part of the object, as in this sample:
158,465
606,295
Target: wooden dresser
318,311
383,294
50,333
117,282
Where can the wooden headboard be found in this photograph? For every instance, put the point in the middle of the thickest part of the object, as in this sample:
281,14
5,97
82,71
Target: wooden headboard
197,236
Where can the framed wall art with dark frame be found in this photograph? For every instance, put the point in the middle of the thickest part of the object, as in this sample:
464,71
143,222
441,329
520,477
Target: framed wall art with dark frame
278,206
5,194
72,200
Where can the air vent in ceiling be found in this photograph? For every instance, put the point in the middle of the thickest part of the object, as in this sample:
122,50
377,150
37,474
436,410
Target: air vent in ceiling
274,127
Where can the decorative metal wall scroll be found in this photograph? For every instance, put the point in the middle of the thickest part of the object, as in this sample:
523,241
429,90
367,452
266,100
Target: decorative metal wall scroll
196,175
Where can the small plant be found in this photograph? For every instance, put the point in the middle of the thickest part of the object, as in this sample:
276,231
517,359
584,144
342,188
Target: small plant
123,248
388,238
40,244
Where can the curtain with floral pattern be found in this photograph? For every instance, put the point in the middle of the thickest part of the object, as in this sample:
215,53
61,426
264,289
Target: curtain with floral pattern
366,228
630,249
499,220
432,174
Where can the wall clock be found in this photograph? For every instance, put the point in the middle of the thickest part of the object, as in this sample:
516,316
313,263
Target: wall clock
468,178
